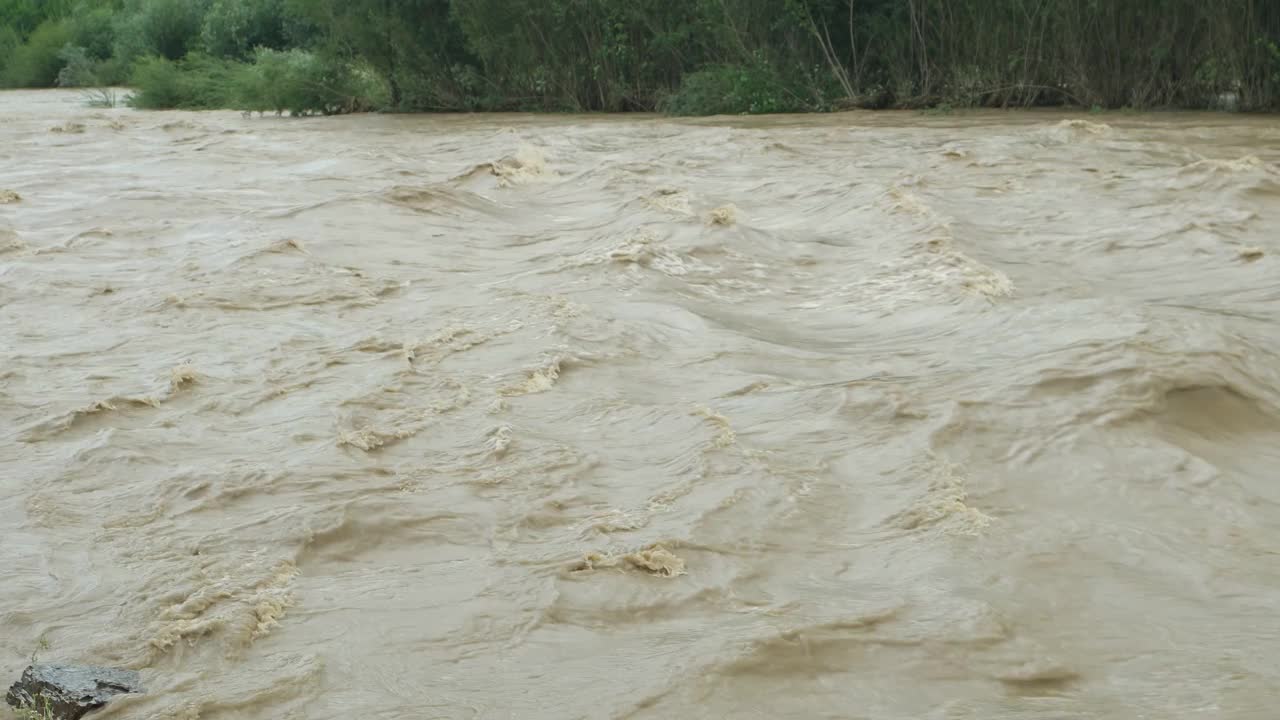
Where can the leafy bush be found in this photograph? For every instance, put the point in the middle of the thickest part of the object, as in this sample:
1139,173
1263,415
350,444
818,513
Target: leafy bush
112,71
23,16
9,42
93,28
159,83
36,63
735,89
1271,74
235,28
161,28
196,82
297,82
77,68
293,81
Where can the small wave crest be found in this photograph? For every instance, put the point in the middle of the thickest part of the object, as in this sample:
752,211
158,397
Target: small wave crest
180,377
69,127
642,249
10,242
541,378
1244,173
527,164
937,259
944,503
671,200
1075,130
240,609
725,215
655,559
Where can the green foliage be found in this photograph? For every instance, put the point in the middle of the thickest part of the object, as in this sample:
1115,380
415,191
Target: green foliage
297,82
23,16
233,29
112,71
160,84
197,82
1266,80
414,46
36,62
586,55
294,81
691,56
162,28
77,68
9,42
733,89
93,28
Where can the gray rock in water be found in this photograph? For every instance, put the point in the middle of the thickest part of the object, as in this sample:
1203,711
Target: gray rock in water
70,691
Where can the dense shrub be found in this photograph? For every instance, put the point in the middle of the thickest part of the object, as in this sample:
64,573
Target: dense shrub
297,82
77,68
196,82
725,89
413,45
36,62
162,28
235,28
24,16
159,83
1267,82
93,28
9,42
113,71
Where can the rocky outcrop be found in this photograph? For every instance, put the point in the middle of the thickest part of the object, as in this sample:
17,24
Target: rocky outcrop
67,692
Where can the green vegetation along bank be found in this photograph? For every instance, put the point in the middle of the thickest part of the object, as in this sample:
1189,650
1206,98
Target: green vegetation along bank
686,57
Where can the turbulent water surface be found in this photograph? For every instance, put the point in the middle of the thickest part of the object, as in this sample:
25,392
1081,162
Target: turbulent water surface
883,416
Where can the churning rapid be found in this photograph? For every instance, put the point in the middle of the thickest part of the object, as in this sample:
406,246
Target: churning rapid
885,416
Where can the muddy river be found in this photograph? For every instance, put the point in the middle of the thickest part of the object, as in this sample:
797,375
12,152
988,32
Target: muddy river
890,416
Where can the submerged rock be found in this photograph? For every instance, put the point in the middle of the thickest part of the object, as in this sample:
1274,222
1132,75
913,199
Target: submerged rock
67,692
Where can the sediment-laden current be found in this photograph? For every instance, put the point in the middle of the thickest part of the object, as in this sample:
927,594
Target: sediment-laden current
890,416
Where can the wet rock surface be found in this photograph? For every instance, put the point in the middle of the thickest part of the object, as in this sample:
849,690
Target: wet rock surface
68,692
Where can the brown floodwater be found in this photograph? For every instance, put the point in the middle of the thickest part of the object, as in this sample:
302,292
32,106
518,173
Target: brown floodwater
890,416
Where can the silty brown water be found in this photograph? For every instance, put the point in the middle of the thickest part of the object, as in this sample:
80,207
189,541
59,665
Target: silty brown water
846,416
